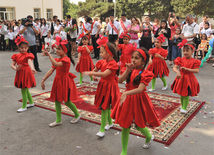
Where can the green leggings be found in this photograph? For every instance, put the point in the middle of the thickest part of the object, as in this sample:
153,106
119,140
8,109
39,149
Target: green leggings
105,116
154,81
184,102
81,77
125,137
26,96
68,104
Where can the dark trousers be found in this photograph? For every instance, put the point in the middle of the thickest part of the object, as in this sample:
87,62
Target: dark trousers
42,41
95,45
120,40
2,43
146,42
33,50
113,38
11,45
39,46
170,50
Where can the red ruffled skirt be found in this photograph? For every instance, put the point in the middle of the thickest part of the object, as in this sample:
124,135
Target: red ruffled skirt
124,59
64,88
136,108
107,94
85,64
24,78
159,68
187,85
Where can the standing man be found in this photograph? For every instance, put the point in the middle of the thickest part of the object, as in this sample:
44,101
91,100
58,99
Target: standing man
53,24
124,23
87,26
95,28
29,33
69,24
113,29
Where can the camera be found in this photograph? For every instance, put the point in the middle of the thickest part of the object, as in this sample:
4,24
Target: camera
25,20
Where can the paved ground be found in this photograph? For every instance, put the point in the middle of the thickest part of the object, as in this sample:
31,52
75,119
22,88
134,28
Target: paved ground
28,133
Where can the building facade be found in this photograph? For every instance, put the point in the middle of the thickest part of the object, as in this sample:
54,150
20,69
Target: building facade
17,9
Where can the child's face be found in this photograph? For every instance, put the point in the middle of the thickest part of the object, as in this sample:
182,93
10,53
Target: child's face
206,26
59,51
204,37
177,31
163,24
125,40
85,41
11,30
137,60
187,51
103,53
23,48
157,43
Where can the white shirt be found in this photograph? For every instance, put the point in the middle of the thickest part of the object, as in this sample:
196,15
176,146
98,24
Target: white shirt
73,34
69,23
16,30
87,27
63,35
111,30
80,30
95,28
57,28
11,35
54,24
201,25
44,30
208,31
126,23
189,30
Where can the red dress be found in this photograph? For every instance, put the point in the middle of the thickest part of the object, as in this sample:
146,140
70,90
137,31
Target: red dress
64,88
187,85
24,76
108,92
137,107
127,51
158,66
85,62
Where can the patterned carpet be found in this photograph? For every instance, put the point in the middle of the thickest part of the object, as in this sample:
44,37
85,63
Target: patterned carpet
167,108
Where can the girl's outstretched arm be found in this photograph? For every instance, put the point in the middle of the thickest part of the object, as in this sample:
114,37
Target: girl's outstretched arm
100,74
47,75
129,68
137,90
53,61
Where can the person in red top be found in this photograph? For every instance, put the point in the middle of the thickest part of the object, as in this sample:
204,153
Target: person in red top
108,92
185,83
127,49
23,65
135,106
84,61
63,88
158,65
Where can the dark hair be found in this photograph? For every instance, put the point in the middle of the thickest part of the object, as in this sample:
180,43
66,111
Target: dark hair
29,16
69,16
205,35
37,19
123,14
207,23
25,43
163,21
138,22
74,21
54,17
113,50
137,79
41,22
58,20
85,37
88,19
206,16
179,29
188,47
68,46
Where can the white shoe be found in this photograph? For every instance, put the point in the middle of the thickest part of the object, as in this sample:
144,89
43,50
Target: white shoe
75,120
55,124
183,111
165,88
147,145
21,109
78,84
151,90
92,82
100,134
107,127
124,82
30,105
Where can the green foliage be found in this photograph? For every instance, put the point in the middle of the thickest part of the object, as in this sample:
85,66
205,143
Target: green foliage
72,11
66,6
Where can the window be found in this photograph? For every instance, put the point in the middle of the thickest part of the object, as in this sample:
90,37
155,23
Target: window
7,13
36,13
49,13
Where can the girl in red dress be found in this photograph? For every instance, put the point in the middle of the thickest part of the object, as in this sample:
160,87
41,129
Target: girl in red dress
158,65
23,65
108,92
127,49
64,88
185,83
135,106
84,61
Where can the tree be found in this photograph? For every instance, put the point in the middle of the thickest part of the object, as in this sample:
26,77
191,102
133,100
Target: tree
66,6
72,11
